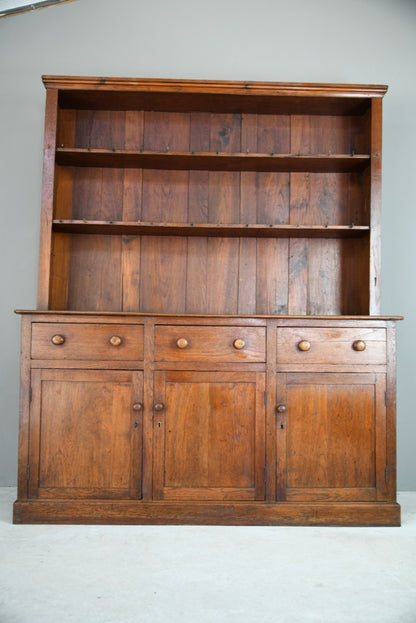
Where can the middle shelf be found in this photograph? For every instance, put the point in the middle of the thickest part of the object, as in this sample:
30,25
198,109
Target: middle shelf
212,161
245,230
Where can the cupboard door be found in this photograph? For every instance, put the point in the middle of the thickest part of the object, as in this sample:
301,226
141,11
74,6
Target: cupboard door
85,434
331,437
209,436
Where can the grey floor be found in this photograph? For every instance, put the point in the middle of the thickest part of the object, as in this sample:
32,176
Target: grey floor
162,574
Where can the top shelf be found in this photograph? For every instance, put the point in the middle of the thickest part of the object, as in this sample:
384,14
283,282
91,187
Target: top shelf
211,161
212,96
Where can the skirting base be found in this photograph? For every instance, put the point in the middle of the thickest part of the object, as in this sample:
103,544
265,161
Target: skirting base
204,513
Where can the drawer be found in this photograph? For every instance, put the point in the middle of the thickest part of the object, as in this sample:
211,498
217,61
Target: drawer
112,342
210,344
331,345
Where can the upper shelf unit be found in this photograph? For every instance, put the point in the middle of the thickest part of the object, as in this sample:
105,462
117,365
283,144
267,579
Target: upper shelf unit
185,196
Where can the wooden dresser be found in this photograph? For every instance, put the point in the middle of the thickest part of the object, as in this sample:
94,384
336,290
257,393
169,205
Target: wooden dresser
207,345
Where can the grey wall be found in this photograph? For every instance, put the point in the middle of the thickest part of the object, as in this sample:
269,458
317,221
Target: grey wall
364,41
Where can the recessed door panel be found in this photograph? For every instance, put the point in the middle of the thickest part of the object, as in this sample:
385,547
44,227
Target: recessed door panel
331,437
86,434
209,436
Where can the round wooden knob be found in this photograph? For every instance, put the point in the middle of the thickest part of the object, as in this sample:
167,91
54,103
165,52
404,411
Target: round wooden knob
58,340
182,342
137,406
115,340
281,408
304,345
239,343
359,345
159,406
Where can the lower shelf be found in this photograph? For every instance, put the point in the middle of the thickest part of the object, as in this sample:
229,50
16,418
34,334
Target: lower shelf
243,514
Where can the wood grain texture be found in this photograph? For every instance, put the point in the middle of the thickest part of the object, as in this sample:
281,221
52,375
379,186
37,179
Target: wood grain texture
210,513
213,343
210,252
87,341
48,180
334,425
209,436
88,444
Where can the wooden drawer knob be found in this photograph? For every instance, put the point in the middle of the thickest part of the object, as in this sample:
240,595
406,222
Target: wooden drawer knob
281,408
137,406
359,345
58,340
304,345
182,342
115,340
159,406
239,343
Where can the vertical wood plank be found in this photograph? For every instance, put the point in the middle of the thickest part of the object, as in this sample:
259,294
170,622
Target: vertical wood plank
199,131
380,424
61,243
136,443
130,273
149,389
280,431
324,277
134,129
298,276
24,406
61,250
249,133
272,197
87,193
273,134
222,277
224,197
272,275
94,273
247,276
166,131
34,433
165,196
100,129
259,437
375,194
132,195
159,393
66,130
163,267
354,276
197,256
225,133
300,132
197,275
48,182
390,474
112,194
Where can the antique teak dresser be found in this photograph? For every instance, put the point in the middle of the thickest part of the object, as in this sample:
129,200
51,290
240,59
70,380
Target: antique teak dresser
207,345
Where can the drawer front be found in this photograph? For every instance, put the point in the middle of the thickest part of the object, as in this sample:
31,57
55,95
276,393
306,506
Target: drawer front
331,346
112,342
210,344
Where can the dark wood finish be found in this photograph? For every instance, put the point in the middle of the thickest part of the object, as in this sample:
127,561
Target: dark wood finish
333,346
332,437
257,230
85,436
210,162
214,344
202,350
226,513
209,436
44,273
108,342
